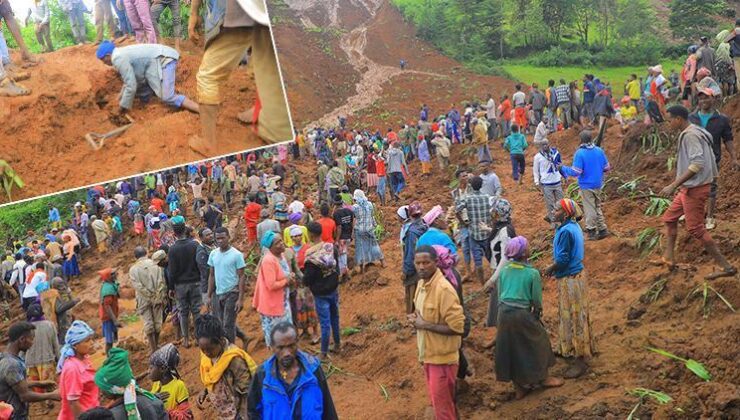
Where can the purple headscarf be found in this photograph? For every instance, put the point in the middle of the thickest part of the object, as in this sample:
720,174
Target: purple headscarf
516,248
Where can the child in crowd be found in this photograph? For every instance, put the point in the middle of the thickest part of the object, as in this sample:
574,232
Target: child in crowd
166,382
516,143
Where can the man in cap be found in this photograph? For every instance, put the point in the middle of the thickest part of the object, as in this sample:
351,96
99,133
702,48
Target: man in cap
696,169
231,28
589,166
148,281
718,125
705,56
109,294
145,69
546,174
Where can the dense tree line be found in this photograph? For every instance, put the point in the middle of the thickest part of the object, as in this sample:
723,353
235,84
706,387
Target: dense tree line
605,30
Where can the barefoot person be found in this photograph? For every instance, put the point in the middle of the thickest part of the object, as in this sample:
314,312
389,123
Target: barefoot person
575,339
696,168
523,354
153,65
231,29
439,322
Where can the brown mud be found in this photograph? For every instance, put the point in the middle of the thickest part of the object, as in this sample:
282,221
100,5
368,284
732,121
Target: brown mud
42,135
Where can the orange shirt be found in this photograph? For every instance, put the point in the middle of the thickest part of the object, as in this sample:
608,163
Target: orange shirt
380,167
158,204
328,226
506,109
252,214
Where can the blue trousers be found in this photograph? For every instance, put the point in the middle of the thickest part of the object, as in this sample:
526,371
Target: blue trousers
327,308
397,182
123,24
517,165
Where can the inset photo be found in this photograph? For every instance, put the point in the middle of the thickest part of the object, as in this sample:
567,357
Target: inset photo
94,90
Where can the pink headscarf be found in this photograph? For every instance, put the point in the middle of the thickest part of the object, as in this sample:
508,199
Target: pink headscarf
432,215
445,262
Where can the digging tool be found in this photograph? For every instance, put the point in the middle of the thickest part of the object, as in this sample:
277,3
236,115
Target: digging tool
98,140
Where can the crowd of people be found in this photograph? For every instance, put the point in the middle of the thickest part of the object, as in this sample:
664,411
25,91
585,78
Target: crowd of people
149,67
301,234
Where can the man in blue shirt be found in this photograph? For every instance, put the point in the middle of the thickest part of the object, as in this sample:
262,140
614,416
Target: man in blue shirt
587,115
589,165
409,276
54,218
575,339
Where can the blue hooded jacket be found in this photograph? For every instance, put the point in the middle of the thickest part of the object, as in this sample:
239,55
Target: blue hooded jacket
307,402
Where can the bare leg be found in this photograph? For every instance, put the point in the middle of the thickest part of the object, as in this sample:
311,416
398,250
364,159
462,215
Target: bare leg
16,32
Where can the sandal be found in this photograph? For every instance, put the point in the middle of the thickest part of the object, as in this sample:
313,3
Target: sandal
727,272
9,88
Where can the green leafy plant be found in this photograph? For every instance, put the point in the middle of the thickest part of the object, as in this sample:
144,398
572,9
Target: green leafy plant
630,187
704,290
129,318
573,192
670,162
347,331
655,142
384,392
647,240
655,289
647,394
657,206
379,231
697,368
10,179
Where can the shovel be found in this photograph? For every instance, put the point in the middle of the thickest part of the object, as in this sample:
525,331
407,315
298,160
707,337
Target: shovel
98,140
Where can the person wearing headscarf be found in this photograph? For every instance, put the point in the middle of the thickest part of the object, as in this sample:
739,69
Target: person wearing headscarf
503,230
436,233
167,384
225,370
122,395
172,199
41,356
102,233
271,293
109,294
77,387
303,305
367,249
575,339
523,354
295,220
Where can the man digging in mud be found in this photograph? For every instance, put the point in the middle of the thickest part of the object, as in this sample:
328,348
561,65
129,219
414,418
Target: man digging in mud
150,65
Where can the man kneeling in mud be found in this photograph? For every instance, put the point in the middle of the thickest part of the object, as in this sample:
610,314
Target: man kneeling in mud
151,66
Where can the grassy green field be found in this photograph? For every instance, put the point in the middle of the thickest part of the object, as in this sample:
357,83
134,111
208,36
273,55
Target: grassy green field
615,75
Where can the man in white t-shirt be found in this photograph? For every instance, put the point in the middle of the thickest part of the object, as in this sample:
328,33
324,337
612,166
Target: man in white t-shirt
38,276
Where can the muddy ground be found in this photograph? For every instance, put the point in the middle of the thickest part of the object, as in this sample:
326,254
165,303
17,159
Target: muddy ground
379,375
42,136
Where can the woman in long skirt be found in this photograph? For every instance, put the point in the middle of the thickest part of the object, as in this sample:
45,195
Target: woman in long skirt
523,354
70,267
502,231
367,249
